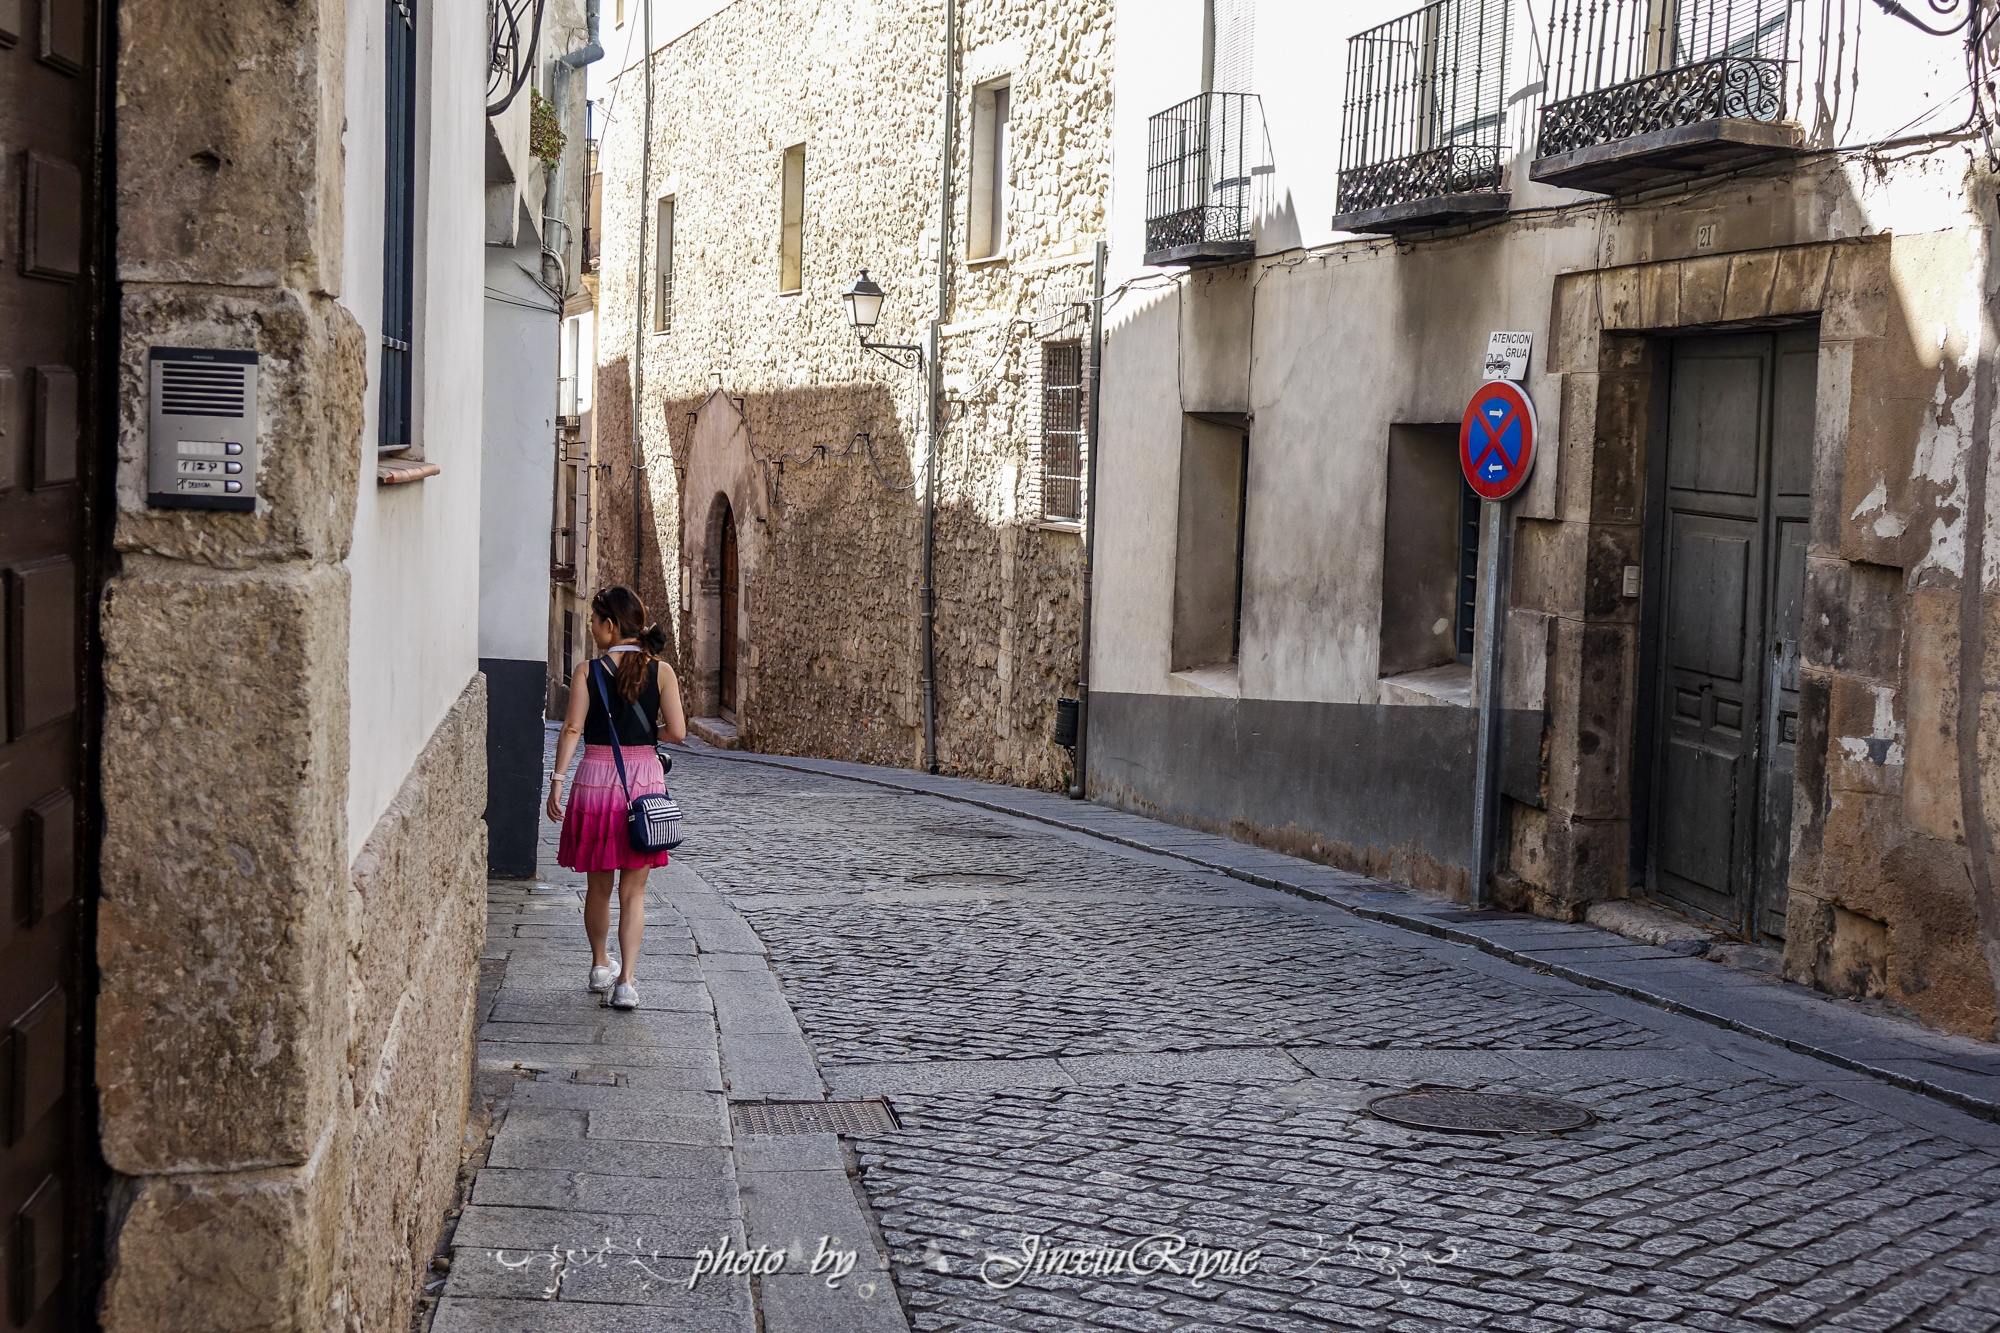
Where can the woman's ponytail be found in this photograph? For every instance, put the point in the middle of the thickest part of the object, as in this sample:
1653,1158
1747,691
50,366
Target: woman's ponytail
622,607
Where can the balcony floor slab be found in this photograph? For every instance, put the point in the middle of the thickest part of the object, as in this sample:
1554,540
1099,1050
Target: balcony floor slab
1661,157
1430,214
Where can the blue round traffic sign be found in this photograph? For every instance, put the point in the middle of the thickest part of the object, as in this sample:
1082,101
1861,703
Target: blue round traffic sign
1496,440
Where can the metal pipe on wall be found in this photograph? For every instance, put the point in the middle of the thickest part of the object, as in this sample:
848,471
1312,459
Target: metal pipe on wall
638,375
927,608
1486,759
1095,379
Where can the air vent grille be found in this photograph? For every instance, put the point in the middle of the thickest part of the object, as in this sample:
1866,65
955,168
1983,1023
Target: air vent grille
197,389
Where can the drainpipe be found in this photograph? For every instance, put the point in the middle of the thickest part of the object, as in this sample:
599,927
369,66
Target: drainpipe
639,292
928,604
1096,379
1486,759
593,50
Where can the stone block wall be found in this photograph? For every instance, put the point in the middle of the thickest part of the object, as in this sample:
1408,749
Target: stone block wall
283,1037
759,396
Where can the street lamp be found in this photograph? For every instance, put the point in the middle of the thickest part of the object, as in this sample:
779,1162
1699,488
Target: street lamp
864,307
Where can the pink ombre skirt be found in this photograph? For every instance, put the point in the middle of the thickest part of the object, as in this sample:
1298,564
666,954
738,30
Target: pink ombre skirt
593,828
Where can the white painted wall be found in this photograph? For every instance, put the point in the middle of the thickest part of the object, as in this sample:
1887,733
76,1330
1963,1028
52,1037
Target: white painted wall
517,484
1347,336
414,562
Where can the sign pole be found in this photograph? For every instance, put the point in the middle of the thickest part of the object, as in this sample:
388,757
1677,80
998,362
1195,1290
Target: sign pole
1496,449
1486,758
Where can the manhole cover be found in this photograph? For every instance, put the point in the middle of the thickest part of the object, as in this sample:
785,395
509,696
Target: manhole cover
972,879
963,831
867,1117
1481,1112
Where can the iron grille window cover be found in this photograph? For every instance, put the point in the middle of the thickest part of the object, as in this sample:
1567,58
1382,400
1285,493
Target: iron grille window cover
1202,157
399,223
1424,105
1062,431
1622,68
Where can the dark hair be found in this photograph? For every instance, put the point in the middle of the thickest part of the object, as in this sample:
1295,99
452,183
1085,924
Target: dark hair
622,607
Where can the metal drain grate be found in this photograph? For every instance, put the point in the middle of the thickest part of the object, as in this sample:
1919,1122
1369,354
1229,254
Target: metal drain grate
1480,1112
963,831
869,1117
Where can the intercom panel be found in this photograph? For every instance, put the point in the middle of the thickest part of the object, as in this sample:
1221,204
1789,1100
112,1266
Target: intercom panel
202,436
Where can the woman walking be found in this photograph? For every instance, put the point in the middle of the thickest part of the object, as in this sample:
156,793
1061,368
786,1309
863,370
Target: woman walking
644,706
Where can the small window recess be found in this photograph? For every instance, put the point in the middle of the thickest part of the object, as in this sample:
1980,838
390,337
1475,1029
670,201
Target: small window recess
663,266
986,224
792,217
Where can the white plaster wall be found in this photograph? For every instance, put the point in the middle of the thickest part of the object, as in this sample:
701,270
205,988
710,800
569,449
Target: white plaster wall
517,479
1348,336
414,563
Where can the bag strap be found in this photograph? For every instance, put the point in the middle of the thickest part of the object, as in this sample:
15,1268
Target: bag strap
617,750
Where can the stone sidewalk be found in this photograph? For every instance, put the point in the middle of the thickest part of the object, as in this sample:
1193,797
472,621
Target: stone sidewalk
615,1170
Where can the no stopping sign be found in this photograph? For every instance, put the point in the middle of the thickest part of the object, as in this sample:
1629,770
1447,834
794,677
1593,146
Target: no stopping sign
1496,440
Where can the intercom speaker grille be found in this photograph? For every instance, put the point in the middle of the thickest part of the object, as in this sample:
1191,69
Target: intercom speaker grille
192,389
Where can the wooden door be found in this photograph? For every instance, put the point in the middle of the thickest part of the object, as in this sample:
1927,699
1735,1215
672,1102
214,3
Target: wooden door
50,286
726,689
1737,474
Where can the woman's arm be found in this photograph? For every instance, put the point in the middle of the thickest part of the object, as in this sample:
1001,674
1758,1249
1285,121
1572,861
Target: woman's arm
572,732
673,725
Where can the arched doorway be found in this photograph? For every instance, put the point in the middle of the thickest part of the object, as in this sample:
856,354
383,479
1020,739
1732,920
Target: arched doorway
726,685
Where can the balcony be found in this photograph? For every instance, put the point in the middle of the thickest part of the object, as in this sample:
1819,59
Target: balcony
1420,130
1646,92
1202,158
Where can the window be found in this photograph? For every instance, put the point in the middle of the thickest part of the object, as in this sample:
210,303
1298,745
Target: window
1430,553
1208,556
1062,432
1468,567
663,267
791,235
791,232
986,233
399,224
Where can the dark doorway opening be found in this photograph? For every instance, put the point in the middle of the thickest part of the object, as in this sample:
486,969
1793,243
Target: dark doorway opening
1730,498
725,692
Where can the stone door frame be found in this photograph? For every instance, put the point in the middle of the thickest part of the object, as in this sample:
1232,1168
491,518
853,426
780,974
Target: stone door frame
1586,841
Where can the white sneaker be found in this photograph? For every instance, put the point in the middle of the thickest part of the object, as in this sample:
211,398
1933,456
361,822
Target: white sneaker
624,996
602,977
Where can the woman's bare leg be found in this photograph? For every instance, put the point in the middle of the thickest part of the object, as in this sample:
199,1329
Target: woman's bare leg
597,915
631,919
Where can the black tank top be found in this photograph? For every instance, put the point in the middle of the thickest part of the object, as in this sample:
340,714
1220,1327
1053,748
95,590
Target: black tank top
631,730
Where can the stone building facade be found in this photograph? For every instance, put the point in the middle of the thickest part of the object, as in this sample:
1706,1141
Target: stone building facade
767,430
293,722
1744,623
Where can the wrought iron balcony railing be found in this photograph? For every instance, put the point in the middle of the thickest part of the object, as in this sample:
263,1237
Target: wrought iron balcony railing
1625,69
1424,105
1201,160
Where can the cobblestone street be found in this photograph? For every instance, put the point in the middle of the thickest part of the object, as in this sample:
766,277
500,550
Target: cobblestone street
1088,1045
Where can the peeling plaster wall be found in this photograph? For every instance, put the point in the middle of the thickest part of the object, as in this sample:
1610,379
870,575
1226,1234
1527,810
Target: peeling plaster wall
1327,348
830,660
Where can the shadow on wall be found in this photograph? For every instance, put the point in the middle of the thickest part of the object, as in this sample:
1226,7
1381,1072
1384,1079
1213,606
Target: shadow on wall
829,658
618,527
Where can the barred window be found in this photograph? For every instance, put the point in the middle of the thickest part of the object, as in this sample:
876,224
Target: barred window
399,225
1062,431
